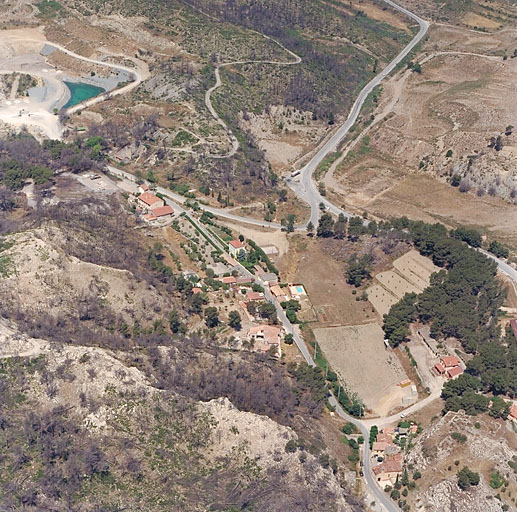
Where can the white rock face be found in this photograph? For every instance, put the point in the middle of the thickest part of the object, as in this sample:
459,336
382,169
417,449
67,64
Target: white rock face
486,450
263,441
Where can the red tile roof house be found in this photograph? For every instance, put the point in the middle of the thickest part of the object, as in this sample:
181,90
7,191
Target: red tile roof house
439,369
265,336
454,372
389,431
149,201
386,473
384,437
235,248
255,296
229,280
157,213
378,448
449,361
144,187
513,413
149,217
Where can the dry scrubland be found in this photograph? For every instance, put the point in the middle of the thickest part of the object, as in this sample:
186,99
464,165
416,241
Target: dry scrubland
277,111
437,124
488,447
324,279
91,368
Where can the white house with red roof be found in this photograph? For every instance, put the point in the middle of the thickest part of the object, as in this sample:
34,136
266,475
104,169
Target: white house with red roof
449,361
236,248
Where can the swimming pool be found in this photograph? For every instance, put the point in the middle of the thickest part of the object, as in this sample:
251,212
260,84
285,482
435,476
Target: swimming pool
80,91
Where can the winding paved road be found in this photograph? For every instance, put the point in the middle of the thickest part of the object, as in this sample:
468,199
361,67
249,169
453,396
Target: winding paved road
307,191
303,185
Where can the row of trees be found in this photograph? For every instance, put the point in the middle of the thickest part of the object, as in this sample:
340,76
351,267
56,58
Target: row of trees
353,228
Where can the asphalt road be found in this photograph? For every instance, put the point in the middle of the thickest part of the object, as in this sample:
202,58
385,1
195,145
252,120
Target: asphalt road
501,265
219,212
306,190
303,184
176,201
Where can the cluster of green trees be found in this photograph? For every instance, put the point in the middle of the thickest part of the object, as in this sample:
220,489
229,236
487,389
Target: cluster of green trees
358,270
15,173
258,254
462,301
291,308
467,478
342,227
349,401
22,157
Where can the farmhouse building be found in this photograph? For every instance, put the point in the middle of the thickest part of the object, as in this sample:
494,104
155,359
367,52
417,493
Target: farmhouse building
163,211
236,249
387,472
149,201
454,372
449,361
265,336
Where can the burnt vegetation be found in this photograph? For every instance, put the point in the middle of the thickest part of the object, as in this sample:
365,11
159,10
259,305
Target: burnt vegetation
55,463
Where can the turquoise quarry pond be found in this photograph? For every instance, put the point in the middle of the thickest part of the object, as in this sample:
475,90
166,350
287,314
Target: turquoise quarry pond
80,92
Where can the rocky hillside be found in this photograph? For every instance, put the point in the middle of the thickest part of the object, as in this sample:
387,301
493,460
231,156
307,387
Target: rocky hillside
102,437
485,445
104,406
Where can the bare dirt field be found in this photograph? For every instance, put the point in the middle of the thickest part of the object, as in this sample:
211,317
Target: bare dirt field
410,275
372,10
358,355
422,198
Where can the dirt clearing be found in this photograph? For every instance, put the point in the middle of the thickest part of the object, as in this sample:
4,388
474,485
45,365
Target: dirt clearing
422,198
358,355
324,279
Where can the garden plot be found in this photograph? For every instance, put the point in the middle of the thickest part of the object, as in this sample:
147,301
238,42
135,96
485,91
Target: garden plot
416,268
397,283
381,299
411,273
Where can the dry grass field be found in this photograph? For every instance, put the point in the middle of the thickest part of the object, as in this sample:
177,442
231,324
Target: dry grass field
431,125
358,355
324,280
